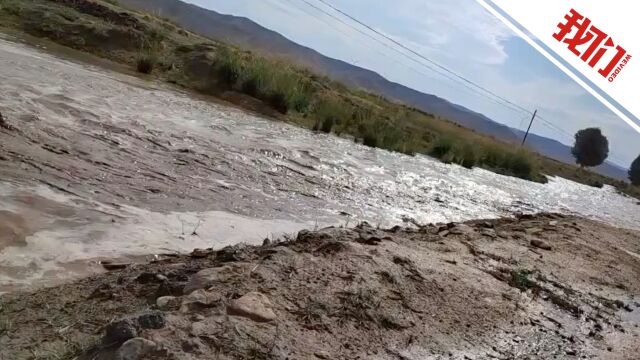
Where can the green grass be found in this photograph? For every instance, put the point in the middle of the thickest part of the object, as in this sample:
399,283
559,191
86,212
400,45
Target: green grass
520,279
146,62
272,81
301,97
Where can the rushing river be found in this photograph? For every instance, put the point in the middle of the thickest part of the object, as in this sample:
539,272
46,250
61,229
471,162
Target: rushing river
105,165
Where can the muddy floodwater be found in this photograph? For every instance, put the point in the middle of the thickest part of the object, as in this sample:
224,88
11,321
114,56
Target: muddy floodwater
101,164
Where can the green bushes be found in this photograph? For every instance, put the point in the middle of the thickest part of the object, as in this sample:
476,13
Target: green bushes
11,7
328,124
227,68
330,114
441,148
152,46
518,164
596,183
374,120
370,140
496,157
272,81
467,157
520,279
146,62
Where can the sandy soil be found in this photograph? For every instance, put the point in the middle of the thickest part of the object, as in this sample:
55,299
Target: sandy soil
533,287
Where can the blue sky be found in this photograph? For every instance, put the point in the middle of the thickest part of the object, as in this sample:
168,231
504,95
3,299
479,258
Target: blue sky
460,35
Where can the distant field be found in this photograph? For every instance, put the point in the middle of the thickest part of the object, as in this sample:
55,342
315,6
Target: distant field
290,93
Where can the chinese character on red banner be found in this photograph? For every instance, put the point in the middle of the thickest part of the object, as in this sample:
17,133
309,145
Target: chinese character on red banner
599,43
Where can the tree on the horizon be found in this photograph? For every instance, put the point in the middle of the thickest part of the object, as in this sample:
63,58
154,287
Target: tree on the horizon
591,147
634,171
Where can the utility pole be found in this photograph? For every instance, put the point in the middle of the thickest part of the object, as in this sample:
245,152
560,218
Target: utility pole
529,128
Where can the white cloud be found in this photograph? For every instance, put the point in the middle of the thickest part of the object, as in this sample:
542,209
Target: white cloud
455,25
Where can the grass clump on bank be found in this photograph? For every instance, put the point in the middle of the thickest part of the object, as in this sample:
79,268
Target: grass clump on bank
521,279
269,80
146,62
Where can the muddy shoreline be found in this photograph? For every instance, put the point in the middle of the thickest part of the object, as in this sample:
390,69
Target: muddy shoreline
535,286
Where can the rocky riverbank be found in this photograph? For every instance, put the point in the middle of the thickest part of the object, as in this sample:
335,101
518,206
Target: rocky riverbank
536,287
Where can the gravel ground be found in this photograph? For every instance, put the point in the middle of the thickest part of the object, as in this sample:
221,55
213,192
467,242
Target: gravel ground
530,287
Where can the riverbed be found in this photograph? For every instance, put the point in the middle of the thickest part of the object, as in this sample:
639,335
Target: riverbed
102,164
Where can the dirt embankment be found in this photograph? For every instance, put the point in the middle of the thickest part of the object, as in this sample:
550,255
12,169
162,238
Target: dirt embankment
536,287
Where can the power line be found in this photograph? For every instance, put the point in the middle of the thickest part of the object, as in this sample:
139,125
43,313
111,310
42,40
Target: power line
444,74
331,26
517,109
422,56
454,76
553,126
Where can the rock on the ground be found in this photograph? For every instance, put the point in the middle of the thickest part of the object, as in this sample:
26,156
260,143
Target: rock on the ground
540,244
150,277
103,291
201,253
4,124
461,229
199,299
120,331
192,346
169,288
111,266
167,302
487,224
197,317
253,305
488,232
152,320
322,355
134,349
533,230
207,277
